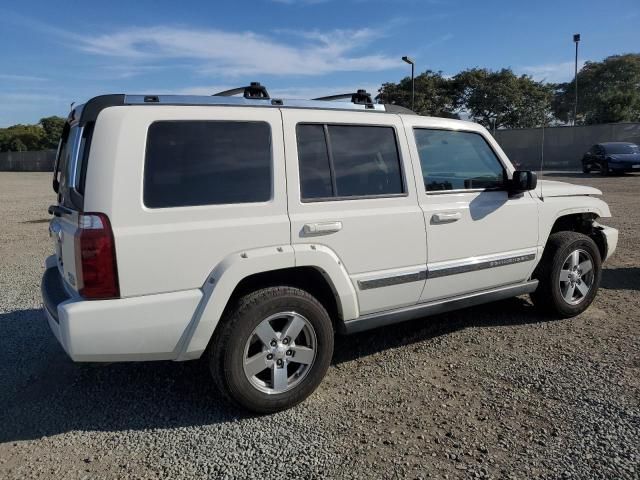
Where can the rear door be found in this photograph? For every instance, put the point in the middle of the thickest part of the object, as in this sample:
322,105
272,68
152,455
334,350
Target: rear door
350,189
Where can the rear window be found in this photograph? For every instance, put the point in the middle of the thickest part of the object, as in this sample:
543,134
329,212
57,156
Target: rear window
72,144
190,163
342,161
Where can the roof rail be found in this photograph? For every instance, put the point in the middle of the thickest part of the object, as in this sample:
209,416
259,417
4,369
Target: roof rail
253,91
361,97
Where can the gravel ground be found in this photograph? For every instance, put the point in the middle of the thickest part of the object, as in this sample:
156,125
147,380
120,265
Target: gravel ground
497,391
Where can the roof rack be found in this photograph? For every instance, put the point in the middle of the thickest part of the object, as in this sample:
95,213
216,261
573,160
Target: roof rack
361,97
253,91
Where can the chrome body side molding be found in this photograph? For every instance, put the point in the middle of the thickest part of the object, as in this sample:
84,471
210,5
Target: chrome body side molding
387,281
375,320
448,268
479,264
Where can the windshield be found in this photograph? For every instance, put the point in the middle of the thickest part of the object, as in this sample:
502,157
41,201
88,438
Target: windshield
622,148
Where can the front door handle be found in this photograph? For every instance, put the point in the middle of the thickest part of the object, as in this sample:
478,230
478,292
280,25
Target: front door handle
322,228
446,217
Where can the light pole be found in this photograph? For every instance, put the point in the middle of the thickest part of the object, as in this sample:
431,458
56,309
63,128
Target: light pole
413,81
576,40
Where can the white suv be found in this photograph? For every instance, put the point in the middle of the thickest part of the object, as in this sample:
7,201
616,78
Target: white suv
250,229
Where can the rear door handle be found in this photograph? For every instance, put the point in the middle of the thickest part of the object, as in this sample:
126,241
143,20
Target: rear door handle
446,217
322,228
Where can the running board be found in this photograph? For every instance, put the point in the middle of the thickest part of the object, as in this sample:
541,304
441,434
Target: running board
375,320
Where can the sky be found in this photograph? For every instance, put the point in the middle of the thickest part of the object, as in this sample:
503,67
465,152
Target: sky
56,53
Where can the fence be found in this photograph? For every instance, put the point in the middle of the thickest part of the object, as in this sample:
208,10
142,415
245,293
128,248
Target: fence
41,161
563,146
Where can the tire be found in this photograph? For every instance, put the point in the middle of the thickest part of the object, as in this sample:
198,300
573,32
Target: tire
604,168
585,168
553,294
272,388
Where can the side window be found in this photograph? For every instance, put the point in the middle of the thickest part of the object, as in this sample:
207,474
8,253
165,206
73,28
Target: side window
341,161
453,160
191,163
313,158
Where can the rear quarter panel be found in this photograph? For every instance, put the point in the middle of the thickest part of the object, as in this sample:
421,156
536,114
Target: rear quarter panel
171,249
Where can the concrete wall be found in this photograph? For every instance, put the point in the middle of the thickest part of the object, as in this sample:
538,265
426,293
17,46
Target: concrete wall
41,161
563,146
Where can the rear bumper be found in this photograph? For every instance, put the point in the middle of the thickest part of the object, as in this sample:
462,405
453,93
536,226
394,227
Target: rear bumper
127,329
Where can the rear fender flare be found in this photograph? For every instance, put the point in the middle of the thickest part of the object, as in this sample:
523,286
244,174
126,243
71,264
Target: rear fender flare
224,278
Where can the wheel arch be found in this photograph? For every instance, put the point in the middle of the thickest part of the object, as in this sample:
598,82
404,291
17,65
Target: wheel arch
315,269
582,222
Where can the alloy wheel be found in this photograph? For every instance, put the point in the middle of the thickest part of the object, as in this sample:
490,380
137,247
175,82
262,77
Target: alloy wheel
280,352
576,277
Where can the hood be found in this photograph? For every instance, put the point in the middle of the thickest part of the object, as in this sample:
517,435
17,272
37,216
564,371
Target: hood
550,188
625,157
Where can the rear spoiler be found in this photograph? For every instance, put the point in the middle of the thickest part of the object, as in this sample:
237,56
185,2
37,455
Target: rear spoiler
88,112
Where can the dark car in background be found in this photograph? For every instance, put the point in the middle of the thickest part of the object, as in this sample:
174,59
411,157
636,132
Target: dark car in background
612,157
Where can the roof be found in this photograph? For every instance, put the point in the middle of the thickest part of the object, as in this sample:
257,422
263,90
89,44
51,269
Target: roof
616,143
89,111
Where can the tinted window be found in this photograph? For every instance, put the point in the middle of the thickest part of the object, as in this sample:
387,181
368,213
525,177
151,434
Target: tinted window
366,160
313,156
453,160
622,148
206,162
348,161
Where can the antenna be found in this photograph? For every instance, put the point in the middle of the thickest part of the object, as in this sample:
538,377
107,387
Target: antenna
542,155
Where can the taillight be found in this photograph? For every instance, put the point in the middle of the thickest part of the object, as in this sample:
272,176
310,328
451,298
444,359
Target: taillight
96,257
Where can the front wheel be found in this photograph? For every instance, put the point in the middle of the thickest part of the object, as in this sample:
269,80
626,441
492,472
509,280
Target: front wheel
568,274
272,350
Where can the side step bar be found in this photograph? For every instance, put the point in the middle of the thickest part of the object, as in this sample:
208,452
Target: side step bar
375,320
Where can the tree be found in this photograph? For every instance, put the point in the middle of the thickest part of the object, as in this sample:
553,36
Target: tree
22,137
43,136
434,94
512,101
52,131
608,91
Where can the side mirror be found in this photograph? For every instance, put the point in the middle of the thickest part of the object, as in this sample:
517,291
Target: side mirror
523,181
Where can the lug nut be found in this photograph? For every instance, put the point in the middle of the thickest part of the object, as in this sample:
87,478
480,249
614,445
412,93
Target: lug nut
273,343
279,362
289,353
286,340
270,356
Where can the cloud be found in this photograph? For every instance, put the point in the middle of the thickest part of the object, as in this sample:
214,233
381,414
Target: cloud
223,53
21,78
552,72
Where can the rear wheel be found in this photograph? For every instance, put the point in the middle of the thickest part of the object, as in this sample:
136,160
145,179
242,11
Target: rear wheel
272,350
569,274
